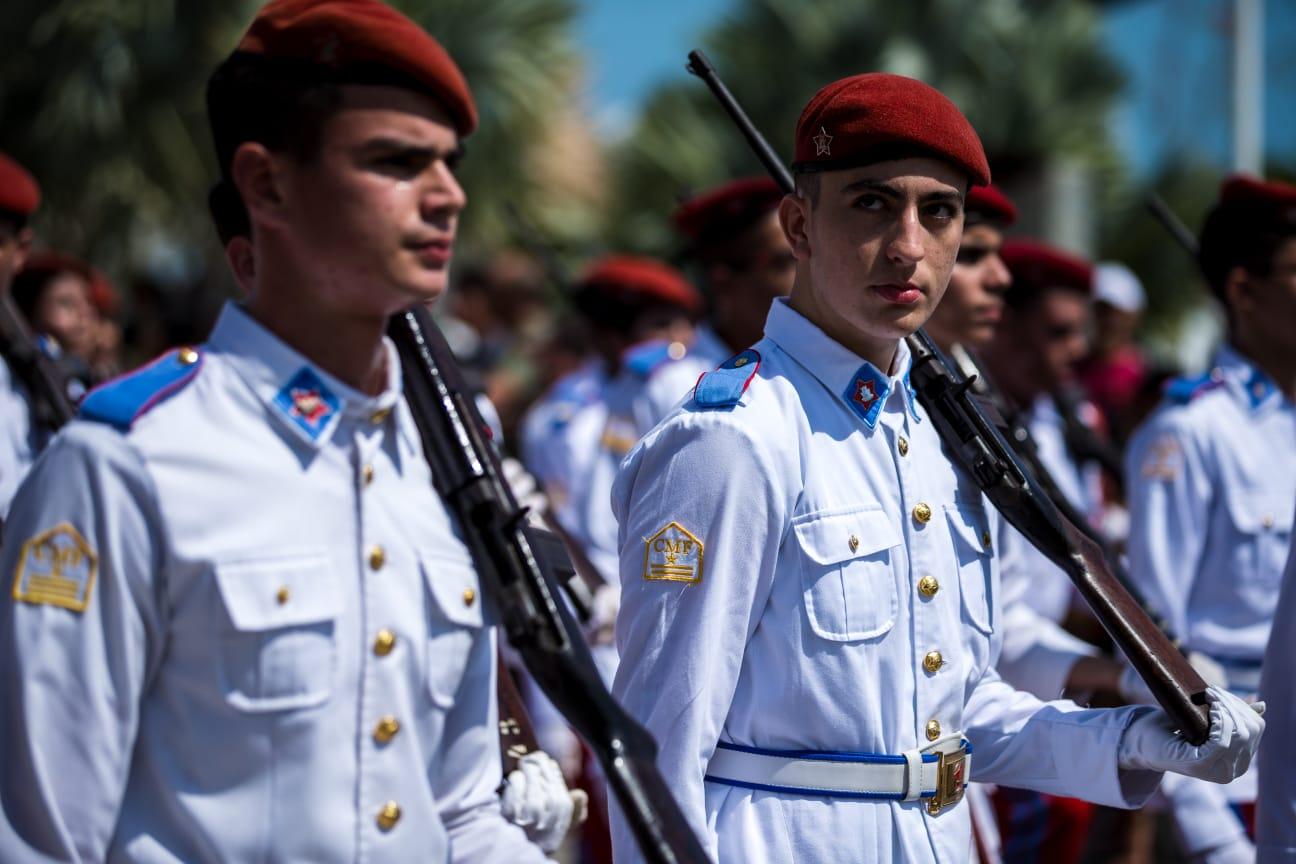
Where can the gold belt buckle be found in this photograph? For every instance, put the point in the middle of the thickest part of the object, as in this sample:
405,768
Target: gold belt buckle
951,780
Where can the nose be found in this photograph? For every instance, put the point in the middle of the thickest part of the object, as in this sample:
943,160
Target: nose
442,197
906,245
997,276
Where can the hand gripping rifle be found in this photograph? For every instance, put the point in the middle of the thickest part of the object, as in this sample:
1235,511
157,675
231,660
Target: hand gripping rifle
977,447
523,593
50,406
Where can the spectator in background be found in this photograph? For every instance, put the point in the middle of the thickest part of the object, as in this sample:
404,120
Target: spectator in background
1113,372
53,293
105,357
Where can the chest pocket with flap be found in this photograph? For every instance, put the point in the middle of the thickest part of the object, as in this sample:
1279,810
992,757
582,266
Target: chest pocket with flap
970,533
847,578
277,631
454,623
1263,524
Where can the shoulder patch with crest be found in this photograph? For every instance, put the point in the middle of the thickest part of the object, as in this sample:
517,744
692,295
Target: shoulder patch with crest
57,568
1163,460
673,554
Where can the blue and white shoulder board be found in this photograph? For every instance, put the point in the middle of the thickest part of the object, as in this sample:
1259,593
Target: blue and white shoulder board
724,387
1183,390
124,399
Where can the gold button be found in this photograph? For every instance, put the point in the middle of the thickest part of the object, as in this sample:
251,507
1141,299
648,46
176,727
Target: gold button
377,557
386,729
853,542
928,586
469,596
903,444
384,642
740,362
367,474
187,356
922,514
933,730
388,816
985,539
282,594
380,415
933,661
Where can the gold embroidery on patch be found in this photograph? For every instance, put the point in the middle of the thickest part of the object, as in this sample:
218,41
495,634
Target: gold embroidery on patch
1163,459
56,567
673,554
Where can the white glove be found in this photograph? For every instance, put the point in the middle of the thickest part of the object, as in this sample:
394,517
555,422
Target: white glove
1134,690
526,490
603,614
1150,742
536,799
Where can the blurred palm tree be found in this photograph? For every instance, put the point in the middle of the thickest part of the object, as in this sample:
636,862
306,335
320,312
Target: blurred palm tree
103,100
1030,74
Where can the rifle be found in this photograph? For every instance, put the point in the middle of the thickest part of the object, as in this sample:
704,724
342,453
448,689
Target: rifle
1172,223
522,592
980,450
50,406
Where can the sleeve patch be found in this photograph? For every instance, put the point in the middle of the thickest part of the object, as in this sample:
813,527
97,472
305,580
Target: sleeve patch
1163,460
56,567
673,554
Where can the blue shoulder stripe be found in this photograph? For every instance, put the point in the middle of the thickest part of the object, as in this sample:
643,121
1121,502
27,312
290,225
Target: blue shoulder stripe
724,387
121,401
1183,390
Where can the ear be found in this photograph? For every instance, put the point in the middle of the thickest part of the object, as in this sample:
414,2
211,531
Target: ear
255,173
1237,289
794,219
24,238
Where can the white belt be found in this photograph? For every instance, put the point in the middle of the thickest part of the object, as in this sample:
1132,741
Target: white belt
937,772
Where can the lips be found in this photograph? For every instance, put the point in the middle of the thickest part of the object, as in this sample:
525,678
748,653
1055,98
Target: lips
901,293
433,252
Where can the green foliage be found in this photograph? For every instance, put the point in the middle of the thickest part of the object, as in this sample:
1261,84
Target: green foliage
1029,74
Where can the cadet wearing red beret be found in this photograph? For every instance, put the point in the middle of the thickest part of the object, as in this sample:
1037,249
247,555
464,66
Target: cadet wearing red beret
736,247
809,606
262,628
971,307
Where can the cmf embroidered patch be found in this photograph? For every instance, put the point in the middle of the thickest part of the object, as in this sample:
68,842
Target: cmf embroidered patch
57,567
673,554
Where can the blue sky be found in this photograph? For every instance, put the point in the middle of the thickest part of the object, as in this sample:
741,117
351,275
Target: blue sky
1175,54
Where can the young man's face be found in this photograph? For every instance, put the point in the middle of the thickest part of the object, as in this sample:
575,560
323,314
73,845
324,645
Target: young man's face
972,306
65,312
373,216
1047,338
877,248
744,287
15,242
1266,305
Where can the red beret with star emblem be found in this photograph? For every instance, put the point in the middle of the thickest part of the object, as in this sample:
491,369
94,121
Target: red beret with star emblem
721,212
988,204
879,117
345,35
19,193
1036,266
636,279
1244,227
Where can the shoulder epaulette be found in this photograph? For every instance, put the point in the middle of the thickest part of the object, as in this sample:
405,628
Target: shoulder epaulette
123,400
724,387
645,359
1183,390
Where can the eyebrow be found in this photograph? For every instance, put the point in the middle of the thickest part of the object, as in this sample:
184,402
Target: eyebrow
403,145
890,190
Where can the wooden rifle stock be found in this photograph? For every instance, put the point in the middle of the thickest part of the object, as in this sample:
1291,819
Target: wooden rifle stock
978,448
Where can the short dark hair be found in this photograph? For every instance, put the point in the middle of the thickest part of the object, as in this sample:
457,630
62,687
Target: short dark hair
1241,236
12,223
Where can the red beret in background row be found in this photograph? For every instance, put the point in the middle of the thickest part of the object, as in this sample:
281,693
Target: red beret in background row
1264,198
640,279
988,204
723,211
1035,265
359,34
877,117
18,190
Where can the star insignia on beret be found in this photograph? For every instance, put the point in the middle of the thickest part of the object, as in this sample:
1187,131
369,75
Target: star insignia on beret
822,142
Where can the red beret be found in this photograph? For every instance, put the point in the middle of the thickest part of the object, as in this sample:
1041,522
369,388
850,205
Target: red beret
878,117
634,278
723,211
1261,199
1036,266
359,34
50,263
18,190
988,204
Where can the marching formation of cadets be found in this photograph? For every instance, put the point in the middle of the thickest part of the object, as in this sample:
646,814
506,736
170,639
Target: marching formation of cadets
239,623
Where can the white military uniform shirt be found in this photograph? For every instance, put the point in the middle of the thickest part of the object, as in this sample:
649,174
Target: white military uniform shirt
17,440
1276,804
816,503
245,628
560,435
